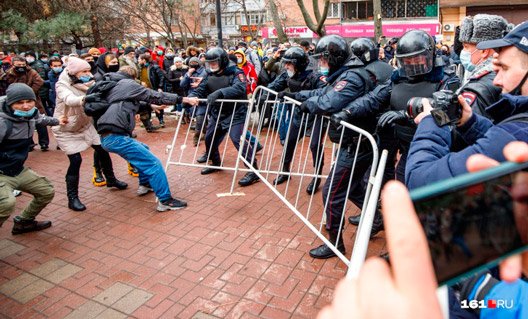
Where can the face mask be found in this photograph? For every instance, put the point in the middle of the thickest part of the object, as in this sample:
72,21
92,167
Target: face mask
44,60
324,71
243,49
194,66
160,52
21,113
20,69
92,64
57,69
517,90
147,63
215,70
113,68
85,78
290,73
95,58
30,59
239,60
169,55
465,59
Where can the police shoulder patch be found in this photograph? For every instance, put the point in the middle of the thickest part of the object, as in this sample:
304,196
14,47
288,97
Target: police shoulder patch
241,77
340,85
470,97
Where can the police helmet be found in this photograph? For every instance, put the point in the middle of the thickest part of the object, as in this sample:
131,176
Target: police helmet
297,57
365,49
334,49
415,53
217,54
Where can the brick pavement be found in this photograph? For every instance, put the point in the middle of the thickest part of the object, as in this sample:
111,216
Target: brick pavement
227,257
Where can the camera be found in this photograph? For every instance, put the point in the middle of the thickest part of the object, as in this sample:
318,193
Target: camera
446,109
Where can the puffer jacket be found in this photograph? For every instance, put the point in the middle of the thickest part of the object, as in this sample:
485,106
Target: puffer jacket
79,133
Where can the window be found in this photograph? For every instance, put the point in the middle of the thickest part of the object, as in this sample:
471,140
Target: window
358,10
333,10
228,19
409,8
255,18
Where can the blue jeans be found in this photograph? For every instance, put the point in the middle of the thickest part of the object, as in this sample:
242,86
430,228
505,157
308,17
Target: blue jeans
149,166
283,116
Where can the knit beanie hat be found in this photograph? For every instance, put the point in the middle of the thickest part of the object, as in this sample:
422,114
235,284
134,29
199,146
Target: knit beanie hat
195,60
76,65
19,91
128,50
483,27
95,51
178,59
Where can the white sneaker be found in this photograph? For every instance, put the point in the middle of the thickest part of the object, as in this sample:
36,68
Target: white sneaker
144,190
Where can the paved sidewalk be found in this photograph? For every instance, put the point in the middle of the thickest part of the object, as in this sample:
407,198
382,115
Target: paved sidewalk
227,257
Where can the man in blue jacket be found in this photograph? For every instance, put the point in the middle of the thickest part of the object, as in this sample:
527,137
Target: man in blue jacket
430,158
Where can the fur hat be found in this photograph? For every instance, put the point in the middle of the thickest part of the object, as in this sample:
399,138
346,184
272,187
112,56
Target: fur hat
483,27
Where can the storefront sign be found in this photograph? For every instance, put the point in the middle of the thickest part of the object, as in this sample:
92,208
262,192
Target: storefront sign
291,32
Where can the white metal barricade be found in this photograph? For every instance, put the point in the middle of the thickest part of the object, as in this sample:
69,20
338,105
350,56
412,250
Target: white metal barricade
183,152
289,125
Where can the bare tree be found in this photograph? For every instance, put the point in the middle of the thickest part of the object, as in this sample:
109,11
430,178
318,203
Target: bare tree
277,22
316,26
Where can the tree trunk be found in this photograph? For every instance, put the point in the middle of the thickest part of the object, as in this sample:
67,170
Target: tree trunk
277,22
98,41
377,20
318,26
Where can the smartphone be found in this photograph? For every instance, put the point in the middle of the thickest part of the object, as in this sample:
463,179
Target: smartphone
469,221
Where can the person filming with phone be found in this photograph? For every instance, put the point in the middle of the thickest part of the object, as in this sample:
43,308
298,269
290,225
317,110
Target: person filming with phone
430,158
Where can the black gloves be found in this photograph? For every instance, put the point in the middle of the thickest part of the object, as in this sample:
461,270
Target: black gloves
282,94
391,118
214,96
304,107
92,97
336,118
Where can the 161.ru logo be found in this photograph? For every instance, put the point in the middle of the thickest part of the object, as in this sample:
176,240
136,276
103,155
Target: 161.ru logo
482,304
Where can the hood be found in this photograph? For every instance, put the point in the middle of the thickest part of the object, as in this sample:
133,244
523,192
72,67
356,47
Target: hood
101,64
243,58
507,106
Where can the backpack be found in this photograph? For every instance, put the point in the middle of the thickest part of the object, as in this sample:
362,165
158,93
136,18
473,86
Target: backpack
97,108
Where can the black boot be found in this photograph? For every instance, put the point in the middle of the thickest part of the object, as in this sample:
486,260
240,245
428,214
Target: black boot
112,181
354,220
377,224
313,186
98,179
72,190
282,177
210,170
248,179
203,158
25,226
324,252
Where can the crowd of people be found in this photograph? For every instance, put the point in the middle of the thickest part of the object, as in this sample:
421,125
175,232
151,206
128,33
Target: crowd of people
368,84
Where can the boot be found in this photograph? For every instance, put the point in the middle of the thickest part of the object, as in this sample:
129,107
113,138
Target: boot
210,170
132,170
324,252
203,158
112,181
248,179
25,226
377,224
282,177
72,190
98,179
354,220
313,186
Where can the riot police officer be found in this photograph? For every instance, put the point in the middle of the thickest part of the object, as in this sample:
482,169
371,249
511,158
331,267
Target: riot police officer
420,73
297,78
347,80
224,81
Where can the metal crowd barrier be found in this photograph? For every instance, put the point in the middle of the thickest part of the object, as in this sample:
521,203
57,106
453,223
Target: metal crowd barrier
277,125
306,207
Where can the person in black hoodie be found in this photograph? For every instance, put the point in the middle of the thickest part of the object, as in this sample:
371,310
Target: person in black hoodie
18,117
115,126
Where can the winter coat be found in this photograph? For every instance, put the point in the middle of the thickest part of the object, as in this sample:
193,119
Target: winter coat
79,134
126,99
174,75
14,147
53,78
31,78
430,159
249,72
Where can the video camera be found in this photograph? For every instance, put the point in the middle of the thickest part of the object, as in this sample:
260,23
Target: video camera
446,109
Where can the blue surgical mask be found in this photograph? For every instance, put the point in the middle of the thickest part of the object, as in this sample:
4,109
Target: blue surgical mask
290,73
85,78
57,69
324,71
465,59
21,113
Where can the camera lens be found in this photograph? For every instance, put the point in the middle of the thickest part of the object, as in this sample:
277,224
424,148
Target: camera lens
414,106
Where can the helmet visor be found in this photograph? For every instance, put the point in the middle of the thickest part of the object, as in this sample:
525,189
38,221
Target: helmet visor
413,65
